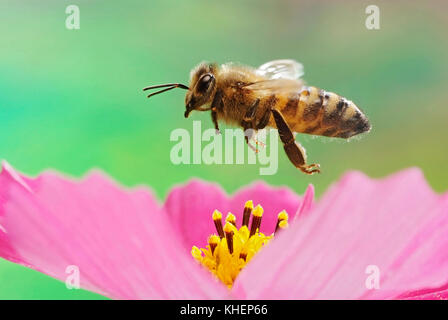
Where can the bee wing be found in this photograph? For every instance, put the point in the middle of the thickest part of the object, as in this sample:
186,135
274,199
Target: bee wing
277,86
281,69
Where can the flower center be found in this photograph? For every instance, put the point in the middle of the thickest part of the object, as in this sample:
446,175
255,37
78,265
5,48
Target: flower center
228,252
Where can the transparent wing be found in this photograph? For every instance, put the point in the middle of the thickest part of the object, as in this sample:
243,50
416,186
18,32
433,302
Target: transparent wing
281,69
276,86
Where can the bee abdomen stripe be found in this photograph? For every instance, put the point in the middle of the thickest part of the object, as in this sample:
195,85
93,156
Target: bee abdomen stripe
334,110
313,101
341,105
353,122
351,116
291,106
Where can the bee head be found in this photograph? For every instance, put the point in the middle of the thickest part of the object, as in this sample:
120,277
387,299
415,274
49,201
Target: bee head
202,87
201,90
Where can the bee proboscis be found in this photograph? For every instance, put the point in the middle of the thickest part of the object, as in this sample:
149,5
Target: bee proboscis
272,95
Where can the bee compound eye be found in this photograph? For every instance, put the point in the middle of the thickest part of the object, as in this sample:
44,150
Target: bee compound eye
204,83
206,78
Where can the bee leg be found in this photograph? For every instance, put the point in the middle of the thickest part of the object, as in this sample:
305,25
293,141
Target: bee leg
249,135
262,124
215,120
264,119
248,122
293,149
216,105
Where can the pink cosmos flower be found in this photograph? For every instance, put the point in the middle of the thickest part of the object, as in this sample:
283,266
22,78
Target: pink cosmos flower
127,246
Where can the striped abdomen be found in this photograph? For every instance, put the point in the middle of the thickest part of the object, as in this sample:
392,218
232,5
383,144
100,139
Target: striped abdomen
315,111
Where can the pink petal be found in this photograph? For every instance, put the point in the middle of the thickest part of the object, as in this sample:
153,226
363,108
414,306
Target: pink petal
427,294
397,224
307,202
191,206
121,240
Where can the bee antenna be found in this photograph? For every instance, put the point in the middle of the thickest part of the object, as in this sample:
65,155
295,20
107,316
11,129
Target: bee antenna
175,85
169,85
157,92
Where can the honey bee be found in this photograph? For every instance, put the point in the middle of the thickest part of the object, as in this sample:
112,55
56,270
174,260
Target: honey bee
272,95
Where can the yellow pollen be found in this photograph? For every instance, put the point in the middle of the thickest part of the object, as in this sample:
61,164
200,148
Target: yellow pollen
231,218
217,219
217,215
249,204
283,216
282,221
229,227
256,219
229,252
283,224
258,211
213,239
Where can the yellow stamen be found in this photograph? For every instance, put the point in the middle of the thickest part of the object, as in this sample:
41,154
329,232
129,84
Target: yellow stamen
229,236
256,219
217,215
227,254
217,219
248,207
213,241
282,216
243,253
231,218
283,224
196,253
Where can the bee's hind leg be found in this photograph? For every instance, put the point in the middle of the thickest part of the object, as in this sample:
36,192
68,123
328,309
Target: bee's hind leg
293,149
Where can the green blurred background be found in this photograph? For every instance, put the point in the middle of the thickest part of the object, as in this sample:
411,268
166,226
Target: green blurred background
71,99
